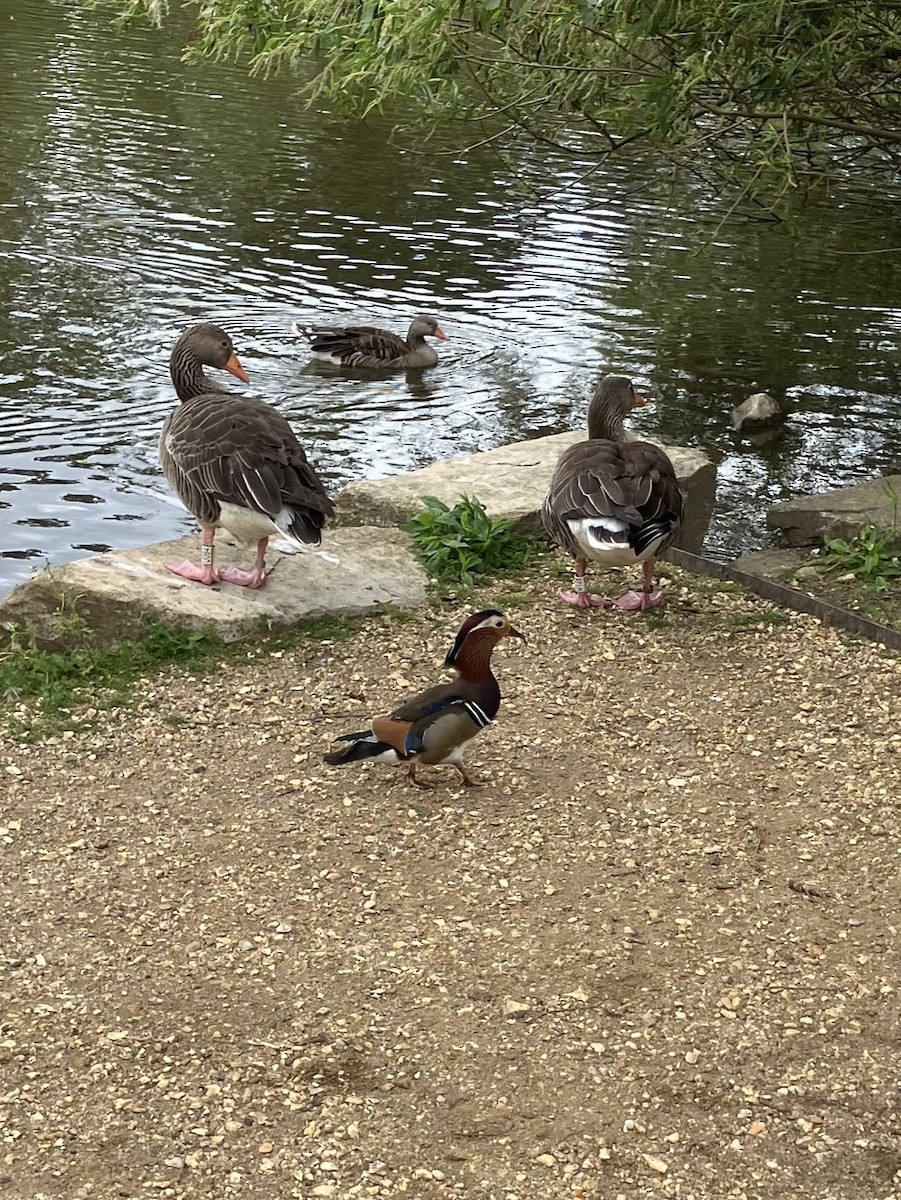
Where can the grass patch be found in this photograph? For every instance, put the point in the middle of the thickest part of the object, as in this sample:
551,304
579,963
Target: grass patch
41,690
313,629
729,587
461,546
745,620
31,674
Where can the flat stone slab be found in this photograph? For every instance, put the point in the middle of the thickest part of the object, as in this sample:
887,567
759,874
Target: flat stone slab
106,599
777,565
804,520
511,482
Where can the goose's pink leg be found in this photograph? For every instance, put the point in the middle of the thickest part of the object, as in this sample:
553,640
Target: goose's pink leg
648,598
206,572
250,579
580,596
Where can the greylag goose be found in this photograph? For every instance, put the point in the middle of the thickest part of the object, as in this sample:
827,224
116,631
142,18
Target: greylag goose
435,726
234,462
371,348
612,500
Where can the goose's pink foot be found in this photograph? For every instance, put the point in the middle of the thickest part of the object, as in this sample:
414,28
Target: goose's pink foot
585,599
249,579
187,570
638,601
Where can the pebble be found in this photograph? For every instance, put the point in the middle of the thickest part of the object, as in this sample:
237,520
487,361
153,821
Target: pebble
656,1164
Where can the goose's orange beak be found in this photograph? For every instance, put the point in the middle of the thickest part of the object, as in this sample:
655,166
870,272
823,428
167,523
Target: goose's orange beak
639,401
233,366
439,333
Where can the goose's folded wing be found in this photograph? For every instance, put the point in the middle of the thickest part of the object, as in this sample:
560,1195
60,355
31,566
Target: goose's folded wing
339,333
241,452
587,483
364,341
378,344
633,481
650,478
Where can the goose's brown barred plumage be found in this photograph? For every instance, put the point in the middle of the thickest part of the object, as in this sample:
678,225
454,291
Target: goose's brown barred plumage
367,347
235,462
612,500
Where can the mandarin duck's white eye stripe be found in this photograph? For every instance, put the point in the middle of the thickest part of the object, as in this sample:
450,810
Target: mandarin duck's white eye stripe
613,501
435,726
488,623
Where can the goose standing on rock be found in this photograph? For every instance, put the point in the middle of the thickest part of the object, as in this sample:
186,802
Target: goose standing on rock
234,462
370,348
614,501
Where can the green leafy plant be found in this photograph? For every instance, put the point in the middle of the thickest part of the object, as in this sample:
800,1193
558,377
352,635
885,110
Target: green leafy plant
459,544
872,556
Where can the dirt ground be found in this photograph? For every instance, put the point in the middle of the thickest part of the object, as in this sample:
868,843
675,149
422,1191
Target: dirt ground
657,956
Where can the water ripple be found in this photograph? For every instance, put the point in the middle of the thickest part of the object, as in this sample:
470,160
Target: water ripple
145,196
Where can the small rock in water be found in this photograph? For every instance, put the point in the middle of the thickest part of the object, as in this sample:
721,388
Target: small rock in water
757,411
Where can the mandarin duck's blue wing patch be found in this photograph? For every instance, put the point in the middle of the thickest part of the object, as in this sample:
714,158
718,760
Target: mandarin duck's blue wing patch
413,742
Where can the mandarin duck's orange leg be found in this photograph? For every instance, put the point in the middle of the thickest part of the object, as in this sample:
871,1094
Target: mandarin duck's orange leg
468,780
411,778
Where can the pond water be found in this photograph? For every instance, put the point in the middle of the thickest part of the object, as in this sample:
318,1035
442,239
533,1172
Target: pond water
139,195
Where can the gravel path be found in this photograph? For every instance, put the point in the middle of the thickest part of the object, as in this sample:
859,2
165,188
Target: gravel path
656,956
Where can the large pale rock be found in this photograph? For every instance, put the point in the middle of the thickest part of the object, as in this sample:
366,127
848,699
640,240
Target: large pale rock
511,482
106,599
804,520
757,412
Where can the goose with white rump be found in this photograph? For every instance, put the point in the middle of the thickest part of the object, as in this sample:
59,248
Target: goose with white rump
370,348
234,462
613,501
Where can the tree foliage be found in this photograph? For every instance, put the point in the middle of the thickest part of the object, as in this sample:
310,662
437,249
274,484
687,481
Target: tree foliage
773,96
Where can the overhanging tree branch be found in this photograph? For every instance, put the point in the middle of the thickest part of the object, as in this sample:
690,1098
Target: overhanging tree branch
769,94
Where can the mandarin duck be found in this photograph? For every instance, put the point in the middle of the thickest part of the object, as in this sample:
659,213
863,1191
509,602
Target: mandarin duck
370,348
434,727
612,500
234,462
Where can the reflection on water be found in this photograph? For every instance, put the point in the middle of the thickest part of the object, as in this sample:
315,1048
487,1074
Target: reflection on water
139,196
